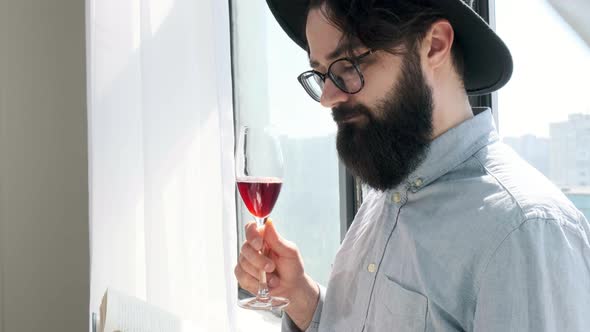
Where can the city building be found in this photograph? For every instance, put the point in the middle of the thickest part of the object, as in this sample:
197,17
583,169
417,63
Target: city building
570,152
533,149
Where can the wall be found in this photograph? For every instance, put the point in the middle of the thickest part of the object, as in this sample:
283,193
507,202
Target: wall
44,240
577,14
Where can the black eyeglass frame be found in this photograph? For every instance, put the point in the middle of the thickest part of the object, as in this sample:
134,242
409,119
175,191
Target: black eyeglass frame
353,60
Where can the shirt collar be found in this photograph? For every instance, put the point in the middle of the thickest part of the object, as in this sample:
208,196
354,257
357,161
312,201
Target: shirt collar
454,147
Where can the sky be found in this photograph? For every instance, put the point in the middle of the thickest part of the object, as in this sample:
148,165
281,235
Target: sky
551,68
551,76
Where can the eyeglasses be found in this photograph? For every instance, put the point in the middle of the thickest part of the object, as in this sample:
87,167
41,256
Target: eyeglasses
345,73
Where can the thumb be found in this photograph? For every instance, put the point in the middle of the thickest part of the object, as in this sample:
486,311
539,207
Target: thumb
275,242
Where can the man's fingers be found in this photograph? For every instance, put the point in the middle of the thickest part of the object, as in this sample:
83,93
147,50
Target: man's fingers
248,268
279,245
257,260
272,280
253,235
245,280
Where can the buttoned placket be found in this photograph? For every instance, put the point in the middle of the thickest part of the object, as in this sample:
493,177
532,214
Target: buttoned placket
396,200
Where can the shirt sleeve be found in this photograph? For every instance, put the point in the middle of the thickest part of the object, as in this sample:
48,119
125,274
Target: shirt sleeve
538,280
289,326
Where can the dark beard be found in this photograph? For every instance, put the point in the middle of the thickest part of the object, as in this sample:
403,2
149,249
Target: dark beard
387,149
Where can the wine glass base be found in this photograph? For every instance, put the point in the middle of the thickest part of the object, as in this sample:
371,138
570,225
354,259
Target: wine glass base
274,303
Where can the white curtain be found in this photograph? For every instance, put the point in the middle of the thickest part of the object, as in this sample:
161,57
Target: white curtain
161,149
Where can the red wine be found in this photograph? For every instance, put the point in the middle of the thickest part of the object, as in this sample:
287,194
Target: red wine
259,194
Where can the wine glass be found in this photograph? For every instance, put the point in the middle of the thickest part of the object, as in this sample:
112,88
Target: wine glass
259,177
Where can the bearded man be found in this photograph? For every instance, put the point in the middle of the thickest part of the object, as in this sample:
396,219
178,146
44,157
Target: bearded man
457,232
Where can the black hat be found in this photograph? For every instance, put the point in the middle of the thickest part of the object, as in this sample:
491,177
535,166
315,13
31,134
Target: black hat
488,63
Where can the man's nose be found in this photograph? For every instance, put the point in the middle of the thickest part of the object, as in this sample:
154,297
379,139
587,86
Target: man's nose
332,95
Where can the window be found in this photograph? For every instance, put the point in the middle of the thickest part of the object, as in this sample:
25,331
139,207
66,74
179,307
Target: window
543,115
544,112
266,66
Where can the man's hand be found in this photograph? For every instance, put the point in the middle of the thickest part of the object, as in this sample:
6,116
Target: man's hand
284,271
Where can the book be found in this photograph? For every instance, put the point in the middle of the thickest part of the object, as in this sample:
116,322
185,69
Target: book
124,313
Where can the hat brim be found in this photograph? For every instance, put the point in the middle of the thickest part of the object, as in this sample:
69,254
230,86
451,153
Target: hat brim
488,63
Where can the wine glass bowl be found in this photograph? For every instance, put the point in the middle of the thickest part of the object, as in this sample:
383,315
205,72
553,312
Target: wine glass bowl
259,194
259,173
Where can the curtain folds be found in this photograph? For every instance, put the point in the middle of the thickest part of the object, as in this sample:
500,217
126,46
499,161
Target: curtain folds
161,156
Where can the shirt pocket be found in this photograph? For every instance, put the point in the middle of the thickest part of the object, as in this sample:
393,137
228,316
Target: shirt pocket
396,308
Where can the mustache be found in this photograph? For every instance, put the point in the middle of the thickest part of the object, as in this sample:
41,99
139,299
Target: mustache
344,112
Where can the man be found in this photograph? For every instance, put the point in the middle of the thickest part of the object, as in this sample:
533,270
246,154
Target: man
458,233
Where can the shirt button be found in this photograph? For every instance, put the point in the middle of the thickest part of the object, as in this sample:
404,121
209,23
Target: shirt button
397,198
418,182
372,268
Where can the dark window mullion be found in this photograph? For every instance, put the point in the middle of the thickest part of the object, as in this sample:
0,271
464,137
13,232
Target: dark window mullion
482,7
348,201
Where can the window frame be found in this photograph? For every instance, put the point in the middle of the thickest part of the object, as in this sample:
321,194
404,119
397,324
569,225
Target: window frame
486,9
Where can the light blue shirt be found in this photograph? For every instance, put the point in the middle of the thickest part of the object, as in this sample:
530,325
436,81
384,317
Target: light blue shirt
475,240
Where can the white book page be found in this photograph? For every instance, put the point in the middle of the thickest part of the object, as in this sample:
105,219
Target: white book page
120,312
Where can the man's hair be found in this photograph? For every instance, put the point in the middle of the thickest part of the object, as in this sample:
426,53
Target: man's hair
390,25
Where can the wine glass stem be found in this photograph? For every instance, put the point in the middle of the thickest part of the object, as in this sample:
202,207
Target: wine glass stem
263,293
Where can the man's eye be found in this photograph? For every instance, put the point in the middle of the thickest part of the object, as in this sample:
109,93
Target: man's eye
348,69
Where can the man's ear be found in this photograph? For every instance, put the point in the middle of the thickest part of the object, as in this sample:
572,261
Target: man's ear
438,43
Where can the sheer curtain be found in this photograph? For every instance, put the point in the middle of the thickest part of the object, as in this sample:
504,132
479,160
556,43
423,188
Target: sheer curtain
161,156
